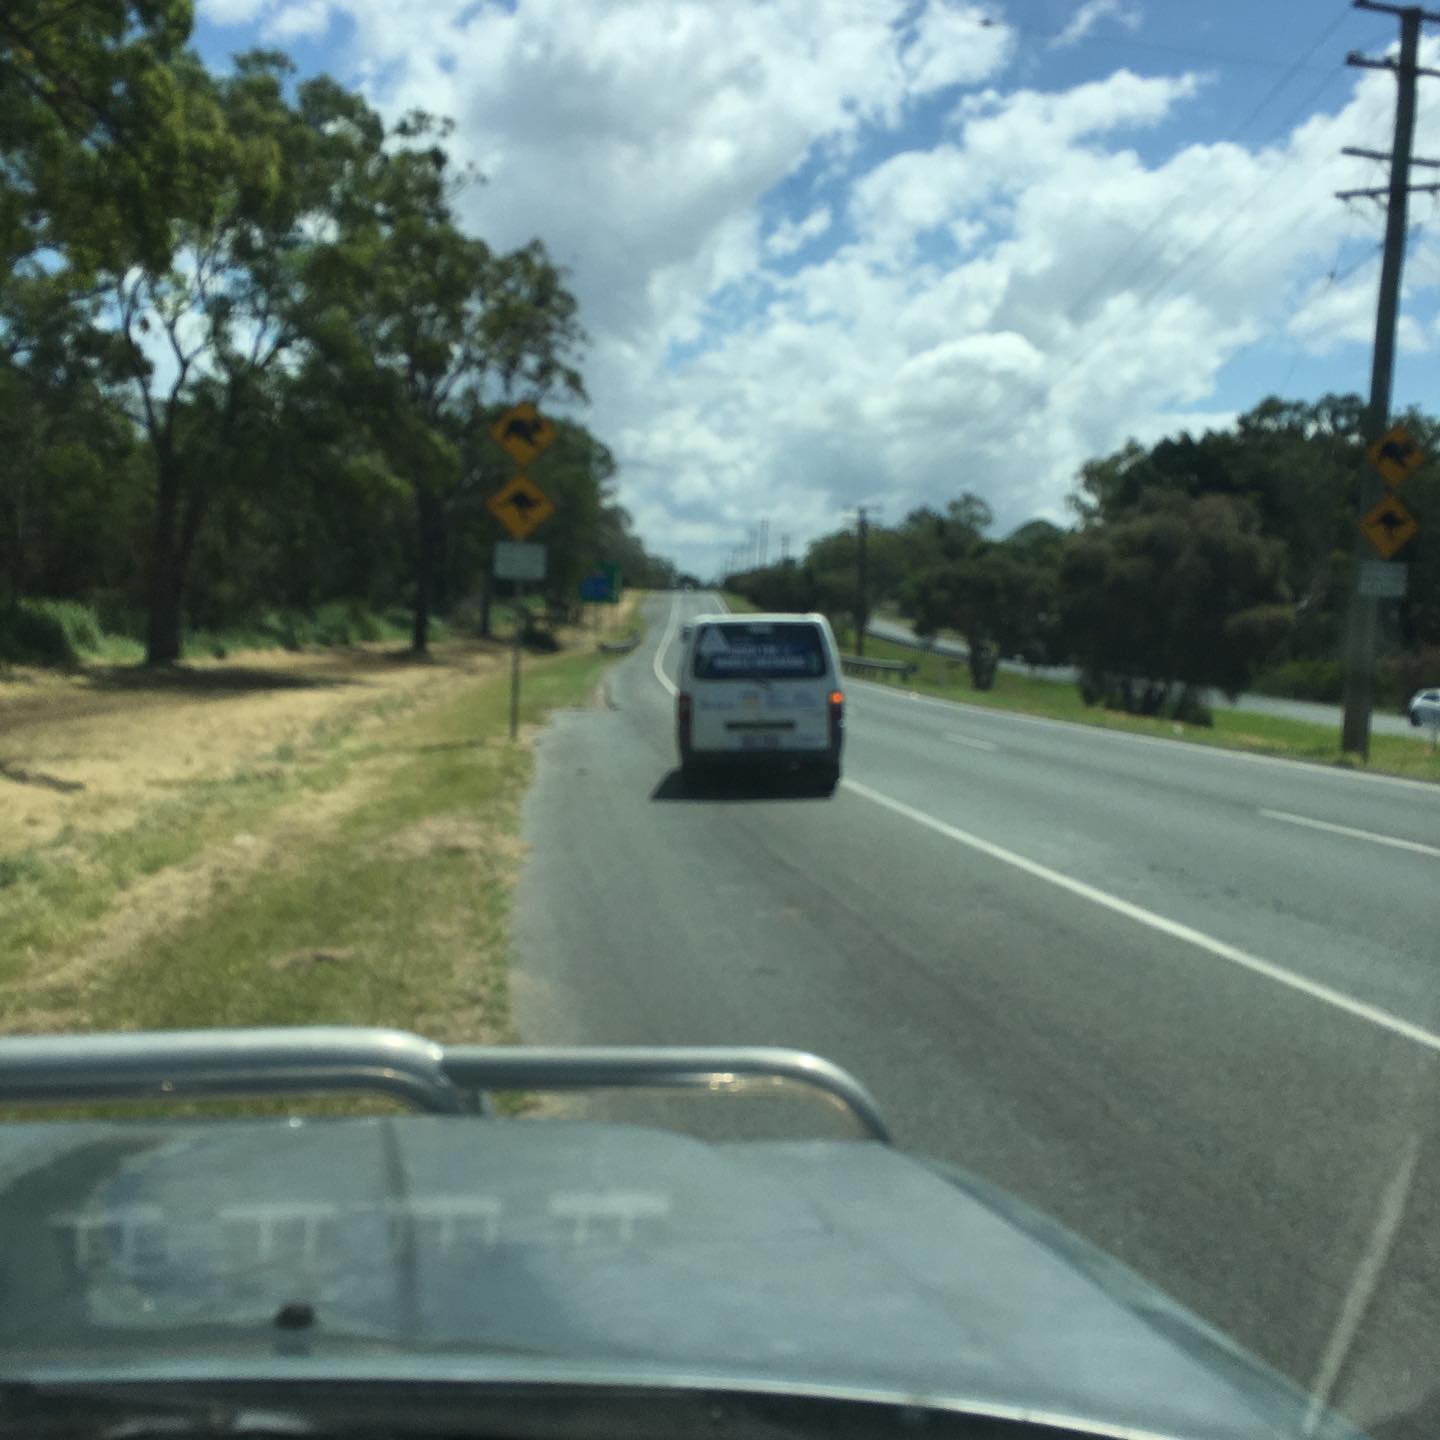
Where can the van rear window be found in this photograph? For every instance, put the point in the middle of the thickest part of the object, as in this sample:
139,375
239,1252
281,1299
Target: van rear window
760,651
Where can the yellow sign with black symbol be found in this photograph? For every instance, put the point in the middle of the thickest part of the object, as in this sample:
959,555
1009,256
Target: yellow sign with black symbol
520,505
522,432
1395,456
1389,526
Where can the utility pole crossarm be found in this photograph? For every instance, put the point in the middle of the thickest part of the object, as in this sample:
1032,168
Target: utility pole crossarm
1384,155
1381,8
1365,63
1376,192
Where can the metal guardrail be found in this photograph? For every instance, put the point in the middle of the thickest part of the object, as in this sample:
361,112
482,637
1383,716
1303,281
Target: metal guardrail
181,1065
861,665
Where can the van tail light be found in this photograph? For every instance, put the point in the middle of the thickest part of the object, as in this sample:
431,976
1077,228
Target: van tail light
837,716
682,717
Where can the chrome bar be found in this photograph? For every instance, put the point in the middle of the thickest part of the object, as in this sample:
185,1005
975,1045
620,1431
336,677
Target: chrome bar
191,1064
533,1067
447,1080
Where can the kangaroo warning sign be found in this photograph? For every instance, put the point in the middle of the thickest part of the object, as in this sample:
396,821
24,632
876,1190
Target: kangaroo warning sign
520,506
1395,456
522,432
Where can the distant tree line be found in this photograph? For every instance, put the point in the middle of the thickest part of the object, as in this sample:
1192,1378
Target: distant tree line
1221,562
248,357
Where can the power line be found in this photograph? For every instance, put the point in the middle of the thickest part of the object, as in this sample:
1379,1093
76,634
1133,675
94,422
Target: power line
1115,266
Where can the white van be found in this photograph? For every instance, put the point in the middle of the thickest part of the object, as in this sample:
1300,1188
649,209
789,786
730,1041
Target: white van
761,689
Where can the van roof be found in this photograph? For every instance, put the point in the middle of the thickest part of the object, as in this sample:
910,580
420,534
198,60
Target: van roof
736,617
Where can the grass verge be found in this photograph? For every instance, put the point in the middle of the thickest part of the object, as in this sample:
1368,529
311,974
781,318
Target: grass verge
377,890
1233,729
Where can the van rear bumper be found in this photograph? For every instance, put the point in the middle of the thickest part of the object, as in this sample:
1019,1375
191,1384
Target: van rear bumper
827,756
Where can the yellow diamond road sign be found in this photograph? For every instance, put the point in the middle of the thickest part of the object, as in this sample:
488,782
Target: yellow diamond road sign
1395,455
520,505
1389,526
522,432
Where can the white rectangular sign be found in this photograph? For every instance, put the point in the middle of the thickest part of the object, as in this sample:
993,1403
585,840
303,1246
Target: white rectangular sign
1384,579
517,560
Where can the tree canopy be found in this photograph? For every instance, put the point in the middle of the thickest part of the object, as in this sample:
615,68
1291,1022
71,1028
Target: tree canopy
249,357
1195,563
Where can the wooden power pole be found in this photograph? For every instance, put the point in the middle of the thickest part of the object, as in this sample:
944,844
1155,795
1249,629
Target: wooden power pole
1361,623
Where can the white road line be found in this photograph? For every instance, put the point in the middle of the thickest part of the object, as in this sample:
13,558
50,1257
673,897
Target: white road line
1191,747
1353,833
972,743
1388,1215
1324,993
664,645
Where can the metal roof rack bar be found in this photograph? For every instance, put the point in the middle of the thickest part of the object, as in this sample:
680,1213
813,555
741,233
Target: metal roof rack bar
534,1067
175,1065
196,1064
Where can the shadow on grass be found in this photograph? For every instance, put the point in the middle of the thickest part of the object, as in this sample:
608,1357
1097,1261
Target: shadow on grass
219,680
730,786
22,776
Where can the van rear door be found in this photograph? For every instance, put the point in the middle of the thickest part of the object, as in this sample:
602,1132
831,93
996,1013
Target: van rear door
760,685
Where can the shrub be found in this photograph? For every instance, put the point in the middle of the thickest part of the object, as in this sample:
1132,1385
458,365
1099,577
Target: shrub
1322,680
48,632
1398,677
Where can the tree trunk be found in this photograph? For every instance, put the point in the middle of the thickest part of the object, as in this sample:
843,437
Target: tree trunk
487,595
167,572
427,549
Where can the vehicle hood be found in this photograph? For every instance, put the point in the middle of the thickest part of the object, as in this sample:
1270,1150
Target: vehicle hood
814,1264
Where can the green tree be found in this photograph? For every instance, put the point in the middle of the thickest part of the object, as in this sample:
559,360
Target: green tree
1179,592
417,324
202,336
89,131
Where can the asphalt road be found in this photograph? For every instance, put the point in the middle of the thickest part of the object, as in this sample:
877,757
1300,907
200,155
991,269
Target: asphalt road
1382,722
1183,1000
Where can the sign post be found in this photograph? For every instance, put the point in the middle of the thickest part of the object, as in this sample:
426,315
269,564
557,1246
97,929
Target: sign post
520,505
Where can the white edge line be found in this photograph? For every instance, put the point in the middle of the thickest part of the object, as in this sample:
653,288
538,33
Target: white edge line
657,664
1352,832
1315,991
664,645
1192,747
1388,1215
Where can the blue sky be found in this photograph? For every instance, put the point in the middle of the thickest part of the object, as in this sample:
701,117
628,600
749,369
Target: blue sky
833,252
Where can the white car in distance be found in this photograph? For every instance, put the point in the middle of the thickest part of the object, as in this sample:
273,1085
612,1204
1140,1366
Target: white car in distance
1425,708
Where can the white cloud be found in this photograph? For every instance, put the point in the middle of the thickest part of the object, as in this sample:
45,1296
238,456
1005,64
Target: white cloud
230,12
305,19
792,235
979,306
954,45
1090,14
279,21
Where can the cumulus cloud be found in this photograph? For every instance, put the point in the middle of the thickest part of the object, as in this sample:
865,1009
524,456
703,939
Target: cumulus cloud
792,235
279,21
230,12
305,20
979,303
1090,14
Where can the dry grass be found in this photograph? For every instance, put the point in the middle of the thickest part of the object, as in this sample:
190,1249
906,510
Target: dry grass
327,838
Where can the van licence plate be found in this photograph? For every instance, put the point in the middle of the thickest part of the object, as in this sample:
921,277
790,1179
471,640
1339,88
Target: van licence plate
759,742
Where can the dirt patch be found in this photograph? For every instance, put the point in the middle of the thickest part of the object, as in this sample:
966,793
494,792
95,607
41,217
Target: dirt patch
91,750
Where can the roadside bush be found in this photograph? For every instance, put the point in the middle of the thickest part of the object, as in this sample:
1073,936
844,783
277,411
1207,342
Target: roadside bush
48,632
1135,696
1398,677
1322,680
